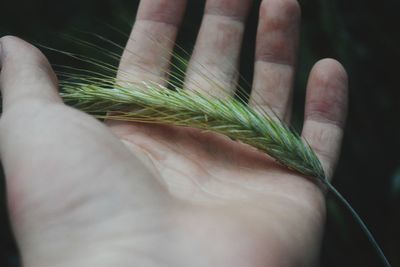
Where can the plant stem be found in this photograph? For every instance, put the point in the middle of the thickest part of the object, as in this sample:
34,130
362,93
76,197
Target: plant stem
360,222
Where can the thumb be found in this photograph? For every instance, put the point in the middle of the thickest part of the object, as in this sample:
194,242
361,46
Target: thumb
25,73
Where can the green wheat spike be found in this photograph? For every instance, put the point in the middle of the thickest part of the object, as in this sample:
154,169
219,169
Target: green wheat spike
229,117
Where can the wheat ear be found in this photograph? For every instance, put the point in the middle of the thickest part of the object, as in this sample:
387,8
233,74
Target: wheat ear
230,117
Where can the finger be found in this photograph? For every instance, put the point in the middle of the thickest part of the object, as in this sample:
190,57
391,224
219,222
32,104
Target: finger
25,73
276,52
212,68
325,111
148,52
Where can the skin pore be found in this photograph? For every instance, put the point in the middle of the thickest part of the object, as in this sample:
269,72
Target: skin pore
86,193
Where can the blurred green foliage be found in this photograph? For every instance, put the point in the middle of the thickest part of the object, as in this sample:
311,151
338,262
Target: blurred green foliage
362,34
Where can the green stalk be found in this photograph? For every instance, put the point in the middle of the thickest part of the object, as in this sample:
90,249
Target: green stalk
360,222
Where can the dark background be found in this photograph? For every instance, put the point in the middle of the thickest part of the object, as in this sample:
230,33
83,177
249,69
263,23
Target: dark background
362,34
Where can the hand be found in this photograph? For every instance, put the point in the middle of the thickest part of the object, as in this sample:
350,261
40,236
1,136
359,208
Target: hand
84,194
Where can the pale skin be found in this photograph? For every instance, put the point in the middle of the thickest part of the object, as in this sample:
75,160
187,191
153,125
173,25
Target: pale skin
84,193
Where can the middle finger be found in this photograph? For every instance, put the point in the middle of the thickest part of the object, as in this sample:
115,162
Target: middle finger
213,65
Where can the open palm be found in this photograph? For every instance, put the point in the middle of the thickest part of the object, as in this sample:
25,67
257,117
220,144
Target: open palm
155,195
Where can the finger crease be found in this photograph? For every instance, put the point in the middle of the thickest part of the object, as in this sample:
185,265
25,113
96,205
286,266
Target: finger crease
161,22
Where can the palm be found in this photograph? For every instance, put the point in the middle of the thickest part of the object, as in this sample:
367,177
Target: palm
222,182
199,167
